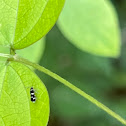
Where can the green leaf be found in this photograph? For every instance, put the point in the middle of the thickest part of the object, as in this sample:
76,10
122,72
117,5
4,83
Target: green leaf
15,105
91,26
23,22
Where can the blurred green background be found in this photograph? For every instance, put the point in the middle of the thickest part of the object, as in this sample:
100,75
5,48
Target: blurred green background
103,78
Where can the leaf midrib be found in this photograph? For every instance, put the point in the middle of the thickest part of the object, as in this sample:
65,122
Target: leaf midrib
15,22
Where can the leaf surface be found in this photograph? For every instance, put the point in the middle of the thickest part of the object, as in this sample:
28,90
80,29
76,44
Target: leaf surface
16,109
24,22
91,26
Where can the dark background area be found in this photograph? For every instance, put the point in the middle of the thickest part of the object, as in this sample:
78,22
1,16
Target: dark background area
102,78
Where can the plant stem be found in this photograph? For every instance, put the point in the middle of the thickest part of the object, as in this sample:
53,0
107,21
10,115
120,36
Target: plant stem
5,55
71,86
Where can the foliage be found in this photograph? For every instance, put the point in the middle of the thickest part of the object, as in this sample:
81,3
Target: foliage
90,26
22,23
